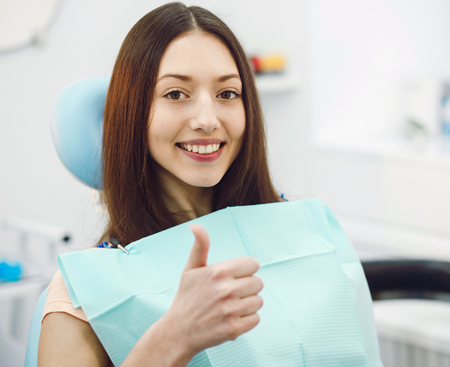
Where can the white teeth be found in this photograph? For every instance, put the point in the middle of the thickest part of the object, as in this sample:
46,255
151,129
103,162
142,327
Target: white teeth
201,149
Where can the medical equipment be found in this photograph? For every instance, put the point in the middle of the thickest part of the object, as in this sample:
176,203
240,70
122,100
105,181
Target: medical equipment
77,128
35,245
413,314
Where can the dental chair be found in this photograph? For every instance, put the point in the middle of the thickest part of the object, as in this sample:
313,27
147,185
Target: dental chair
76,128
77,135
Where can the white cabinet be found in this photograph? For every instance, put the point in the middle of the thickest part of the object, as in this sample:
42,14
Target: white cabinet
389,195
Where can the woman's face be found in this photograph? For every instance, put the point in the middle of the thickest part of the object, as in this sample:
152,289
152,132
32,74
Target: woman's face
197,119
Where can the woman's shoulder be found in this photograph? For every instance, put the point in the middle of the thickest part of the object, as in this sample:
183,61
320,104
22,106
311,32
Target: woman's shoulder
58,299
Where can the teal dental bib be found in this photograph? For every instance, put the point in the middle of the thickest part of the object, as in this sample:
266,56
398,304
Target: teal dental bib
317,308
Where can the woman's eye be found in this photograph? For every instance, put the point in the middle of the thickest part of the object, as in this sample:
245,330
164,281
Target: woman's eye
175,94
228,94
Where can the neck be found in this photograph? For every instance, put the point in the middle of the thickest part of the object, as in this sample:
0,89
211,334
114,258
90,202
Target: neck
184,201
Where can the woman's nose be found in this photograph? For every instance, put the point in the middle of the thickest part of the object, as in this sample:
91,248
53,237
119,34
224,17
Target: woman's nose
204,115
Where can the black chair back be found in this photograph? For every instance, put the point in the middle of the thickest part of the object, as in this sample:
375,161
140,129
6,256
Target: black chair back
414,279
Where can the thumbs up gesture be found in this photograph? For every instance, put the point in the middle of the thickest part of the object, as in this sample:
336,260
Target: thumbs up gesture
199,252
214,303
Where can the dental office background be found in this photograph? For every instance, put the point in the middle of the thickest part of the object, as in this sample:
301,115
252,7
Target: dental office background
359,117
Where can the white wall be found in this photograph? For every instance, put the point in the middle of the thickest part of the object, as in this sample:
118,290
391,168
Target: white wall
83,42
349,57
362,50
386,191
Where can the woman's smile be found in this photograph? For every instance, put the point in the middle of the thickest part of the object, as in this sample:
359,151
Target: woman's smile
202,151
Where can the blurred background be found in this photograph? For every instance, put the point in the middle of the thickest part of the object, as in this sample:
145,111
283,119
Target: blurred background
357,110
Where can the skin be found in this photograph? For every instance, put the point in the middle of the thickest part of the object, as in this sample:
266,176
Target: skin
214,303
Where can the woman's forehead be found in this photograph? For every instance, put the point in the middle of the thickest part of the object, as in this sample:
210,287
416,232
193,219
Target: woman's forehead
197,54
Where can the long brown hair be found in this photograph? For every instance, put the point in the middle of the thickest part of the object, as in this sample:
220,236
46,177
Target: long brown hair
131,190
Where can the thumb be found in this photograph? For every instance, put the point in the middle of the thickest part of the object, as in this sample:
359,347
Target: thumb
199,253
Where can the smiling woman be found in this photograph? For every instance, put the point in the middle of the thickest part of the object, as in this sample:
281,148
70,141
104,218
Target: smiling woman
183,128
183,136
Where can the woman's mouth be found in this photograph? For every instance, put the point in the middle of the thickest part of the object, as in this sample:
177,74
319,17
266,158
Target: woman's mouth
201,149
202,153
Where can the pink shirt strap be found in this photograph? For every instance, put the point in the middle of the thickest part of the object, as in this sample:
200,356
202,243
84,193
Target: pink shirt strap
58,299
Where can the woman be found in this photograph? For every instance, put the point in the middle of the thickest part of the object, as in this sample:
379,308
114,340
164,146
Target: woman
183,137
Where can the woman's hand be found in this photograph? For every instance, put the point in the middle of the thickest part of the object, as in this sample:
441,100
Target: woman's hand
214,303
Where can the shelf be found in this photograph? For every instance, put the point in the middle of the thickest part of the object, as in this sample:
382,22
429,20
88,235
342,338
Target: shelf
390,149
276,83
374,239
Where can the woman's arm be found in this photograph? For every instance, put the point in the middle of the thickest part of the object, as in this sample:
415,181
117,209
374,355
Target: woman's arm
159,346
68,341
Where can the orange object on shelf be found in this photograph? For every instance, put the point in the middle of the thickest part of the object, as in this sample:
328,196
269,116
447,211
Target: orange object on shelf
272,63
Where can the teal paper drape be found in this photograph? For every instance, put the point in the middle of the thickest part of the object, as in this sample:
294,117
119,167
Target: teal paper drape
317,308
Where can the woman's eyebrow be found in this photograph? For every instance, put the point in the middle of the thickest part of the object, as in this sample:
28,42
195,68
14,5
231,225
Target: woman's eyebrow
187,78
224,78
184,78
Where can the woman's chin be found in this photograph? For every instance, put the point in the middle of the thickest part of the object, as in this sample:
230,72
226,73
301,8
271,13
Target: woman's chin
204,181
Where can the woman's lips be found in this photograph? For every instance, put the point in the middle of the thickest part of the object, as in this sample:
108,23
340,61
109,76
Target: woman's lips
202,157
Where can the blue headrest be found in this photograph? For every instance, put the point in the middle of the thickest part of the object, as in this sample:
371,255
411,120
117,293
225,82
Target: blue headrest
77,128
